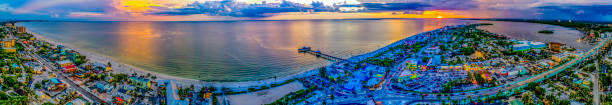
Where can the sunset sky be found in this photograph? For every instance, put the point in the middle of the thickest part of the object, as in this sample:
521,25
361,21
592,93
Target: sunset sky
205,10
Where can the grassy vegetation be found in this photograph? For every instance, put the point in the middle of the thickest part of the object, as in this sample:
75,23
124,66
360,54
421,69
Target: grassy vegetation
546,31
290,98
229,92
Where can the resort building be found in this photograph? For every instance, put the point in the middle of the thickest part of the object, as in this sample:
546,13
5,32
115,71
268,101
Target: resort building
21,29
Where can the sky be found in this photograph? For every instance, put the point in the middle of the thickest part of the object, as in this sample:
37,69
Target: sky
213,10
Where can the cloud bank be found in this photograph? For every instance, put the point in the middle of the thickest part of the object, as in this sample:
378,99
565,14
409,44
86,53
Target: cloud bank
593,10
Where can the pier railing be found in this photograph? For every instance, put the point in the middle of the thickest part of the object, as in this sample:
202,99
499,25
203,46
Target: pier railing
323,55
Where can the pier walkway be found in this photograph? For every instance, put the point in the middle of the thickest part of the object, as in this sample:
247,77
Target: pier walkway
322,55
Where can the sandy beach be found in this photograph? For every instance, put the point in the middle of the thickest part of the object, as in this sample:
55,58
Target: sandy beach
265,96
119,67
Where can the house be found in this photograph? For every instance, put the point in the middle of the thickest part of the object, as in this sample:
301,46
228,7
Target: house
78,101
119,101
37,69
69,69
433,50
353,85
103,87
502,71
575,54
55,81
478,55
141,82
56,85
559,57
64,63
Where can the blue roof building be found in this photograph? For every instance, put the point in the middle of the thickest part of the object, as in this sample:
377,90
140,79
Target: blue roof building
104,87
55,81
15,65
353,84
372,82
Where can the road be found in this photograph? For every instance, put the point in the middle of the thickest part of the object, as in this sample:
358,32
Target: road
594,78
50,65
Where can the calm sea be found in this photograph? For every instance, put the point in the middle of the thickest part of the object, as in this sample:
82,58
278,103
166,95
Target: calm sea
254,50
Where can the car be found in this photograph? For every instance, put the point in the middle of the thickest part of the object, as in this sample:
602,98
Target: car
462,93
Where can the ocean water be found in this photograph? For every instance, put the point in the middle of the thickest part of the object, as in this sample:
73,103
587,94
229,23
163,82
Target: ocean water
253,50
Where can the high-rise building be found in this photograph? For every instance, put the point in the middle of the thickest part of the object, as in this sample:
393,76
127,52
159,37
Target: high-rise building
21,30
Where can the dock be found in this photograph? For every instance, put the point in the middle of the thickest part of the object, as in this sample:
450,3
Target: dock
320,54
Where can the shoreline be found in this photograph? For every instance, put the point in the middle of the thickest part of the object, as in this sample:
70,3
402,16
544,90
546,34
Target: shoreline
119,67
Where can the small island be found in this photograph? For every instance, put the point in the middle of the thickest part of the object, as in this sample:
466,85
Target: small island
546,31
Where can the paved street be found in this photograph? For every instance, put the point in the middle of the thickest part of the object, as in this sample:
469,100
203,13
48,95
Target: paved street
49,65
596,91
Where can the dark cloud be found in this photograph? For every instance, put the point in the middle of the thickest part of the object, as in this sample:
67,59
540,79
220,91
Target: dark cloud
577,12
395,6
453,4
258,10
239,10
422,5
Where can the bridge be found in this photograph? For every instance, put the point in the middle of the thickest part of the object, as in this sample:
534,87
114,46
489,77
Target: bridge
321,55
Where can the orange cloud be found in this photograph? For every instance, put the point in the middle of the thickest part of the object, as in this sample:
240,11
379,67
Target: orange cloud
144,6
